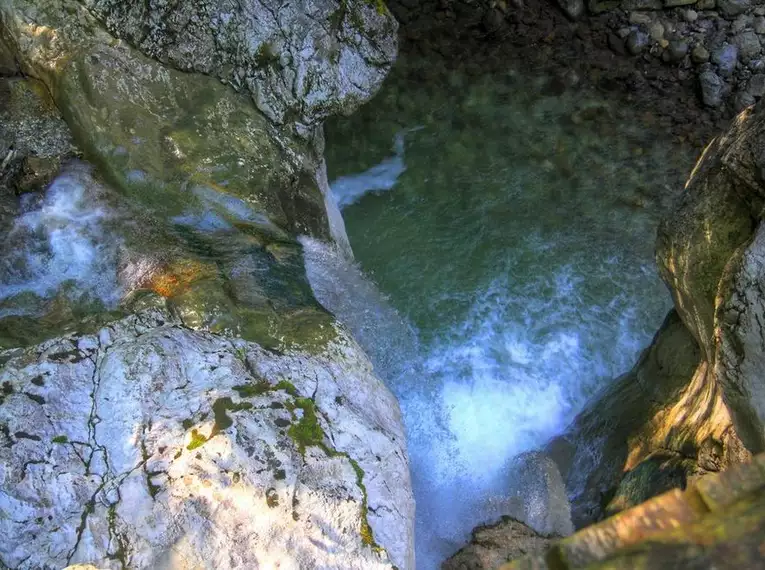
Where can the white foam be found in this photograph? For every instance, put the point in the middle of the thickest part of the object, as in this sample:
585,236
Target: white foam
379,178
62,240
508,377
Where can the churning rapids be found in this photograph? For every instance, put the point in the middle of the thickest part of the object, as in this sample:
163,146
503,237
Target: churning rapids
503,238
512,230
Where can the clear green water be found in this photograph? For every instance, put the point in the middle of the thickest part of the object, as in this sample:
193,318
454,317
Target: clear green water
513,230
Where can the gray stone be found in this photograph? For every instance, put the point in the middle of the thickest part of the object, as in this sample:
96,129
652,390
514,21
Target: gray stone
639,18
677,50
742,100
541,494
637,41
691,16
339,51
741,23
757,65
741,358
756,85
725,58
574,9
699,54
732,8
759,25
641,5
676,3
656,31
748,44
200,451
712,89
706,4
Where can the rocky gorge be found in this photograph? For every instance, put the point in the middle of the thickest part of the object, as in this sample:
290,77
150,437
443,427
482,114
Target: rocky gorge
197,374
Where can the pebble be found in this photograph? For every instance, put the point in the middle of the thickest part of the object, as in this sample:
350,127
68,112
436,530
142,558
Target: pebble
677,50
742,100
691,16
699,54
637,41
725,58
757,65
759,25
637,18
741,23
732,8
756,85
748,44
656,31
712,88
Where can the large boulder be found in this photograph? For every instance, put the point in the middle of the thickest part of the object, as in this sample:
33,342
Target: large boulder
494,544
167,136
150,445
695,402
300,61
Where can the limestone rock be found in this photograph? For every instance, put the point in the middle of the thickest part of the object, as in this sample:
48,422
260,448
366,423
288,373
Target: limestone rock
492,545
300,61
151,445
34,139
152,128
541,494
740,358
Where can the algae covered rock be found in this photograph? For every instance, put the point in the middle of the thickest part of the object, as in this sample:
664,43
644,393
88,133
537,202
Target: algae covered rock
695,402
492,545
165,137
34,139
150,445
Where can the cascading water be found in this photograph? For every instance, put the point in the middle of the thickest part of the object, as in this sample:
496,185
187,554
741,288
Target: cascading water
60,244
512,231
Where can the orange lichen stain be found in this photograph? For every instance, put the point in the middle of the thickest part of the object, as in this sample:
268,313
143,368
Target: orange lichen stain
176,277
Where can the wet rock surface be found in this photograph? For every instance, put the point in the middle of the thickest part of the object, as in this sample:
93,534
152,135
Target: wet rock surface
495,544
300,62
34,139
717,523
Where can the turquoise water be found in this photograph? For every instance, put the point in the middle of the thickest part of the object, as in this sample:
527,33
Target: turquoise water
511,226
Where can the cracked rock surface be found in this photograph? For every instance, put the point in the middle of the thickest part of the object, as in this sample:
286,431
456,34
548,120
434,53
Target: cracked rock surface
300,61
150,445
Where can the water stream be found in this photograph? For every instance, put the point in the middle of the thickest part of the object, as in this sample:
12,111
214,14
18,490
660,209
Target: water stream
511,229
503,232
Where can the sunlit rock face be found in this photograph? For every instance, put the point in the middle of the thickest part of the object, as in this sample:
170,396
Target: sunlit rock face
695,401
149,445
164,135
300,61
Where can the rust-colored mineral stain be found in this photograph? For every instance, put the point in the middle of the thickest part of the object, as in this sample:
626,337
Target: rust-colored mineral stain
176,277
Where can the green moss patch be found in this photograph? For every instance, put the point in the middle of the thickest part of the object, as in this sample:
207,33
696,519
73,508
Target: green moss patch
253,389
197,440
306,431
222,420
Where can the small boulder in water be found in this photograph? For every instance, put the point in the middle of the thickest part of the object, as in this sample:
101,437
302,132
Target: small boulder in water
544,504
493,545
